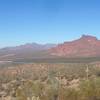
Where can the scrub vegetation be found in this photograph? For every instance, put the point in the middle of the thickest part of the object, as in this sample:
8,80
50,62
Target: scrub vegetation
46,81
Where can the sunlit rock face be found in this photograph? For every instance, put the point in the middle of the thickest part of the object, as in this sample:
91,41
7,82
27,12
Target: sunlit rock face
86,46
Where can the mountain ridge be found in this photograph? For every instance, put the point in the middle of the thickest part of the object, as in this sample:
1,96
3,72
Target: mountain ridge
28,50
86,46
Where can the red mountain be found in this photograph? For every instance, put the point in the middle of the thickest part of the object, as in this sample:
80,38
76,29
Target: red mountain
86,46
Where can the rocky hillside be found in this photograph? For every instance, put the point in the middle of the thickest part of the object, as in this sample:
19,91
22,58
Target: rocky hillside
86,46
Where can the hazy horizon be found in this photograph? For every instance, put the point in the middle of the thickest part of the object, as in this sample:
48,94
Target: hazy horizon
47,21
48,42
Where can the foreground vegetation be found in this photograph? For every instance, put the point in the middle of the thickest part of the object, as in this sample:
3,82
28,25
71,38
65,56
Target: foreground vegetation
87,90
44,81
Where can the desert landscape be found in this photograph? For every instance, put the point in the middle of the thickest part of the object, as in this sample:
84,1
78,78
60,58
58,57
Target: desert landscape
49,49
50,81
52,77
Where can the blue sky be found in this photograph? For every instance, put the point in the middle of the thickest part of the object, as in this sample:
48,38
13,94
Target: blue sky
47,21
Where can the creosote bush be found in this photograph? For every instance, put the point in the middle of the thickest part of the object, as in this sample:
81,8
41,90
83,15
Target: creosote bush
87,90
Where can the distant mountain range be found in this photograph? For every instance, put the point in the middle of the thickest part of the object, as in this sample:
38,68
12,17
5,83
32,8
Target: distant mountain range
29,50
86,46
